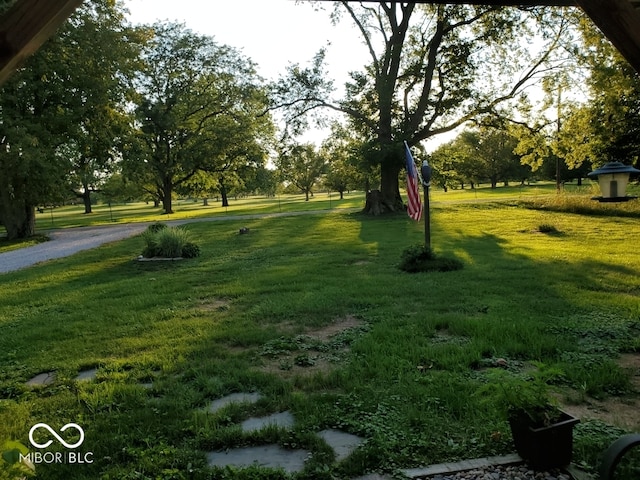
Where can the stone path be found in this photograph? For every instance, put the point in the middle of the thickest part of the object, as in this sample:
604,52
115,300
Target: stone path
274,456
507,467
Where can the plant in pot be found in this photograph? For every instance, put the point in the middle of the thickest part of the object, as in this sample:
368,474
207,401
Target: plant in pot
542,433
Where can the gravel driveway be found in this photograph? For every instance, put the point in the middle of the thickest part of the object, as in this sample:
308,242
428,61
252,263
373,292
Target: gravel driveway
65,242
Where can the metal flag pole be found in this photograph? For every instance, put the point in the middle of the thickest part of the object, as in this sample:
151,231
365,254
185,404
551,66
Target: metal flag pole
426,172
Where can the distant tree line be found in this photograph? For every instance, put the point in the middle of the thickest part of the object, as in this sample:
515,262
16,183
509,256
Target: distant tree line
119,112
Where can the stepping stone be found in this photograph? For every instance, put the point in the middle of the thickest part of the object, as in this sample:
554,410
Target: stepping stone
87,375
234,398
42,379
270,456
283,420
343,443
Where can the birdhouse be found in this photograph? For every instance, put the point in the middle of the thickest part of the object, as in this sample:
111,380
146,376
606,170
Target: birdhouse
613,179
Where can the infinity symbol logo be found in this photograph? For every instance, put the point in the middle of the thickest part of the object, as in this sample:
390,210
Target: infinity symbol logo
53,432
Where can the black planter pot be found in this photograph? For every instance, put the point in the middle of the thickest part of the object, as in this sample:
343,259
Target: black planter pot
544,447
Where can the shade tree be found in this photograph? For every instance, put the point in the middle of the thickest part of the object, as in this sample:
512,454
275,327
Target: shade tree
58,114
198,109
432,68
302,165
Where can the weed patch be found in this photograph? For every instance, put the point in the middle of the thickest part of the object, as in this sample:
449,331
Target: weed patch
418,258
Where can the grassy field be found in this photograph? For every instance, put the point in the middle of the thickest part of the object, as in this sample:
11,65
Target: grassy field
73,216
312,312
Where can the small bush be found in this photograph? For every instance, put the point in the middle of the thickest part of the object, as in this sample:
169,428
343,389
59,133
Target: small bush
168,242
547,228
156,227
418,258
190,250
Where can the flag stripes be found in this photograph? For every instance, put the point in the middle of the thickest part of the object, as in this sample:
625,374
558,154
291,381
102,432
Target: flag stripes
414,207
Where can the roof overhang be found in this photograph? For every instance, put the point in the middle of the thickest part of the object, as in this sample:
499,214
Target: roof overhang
26,26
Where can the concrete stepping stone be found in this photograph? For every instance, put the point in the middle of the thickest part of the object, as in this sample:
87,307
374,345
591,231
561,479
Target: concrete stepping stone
234,398
342,443
87,375
269,456
42,379
282,419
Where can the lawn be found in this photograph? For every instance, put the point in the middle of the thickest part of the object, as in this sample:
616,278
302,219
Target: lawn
312,312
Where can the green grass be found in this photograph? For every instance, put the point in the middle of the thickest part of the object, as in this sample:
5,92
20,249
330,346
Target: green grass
205,327
73,215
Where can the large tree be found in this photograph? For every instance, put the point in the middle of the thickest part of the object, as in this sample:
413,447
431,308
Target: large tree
195,111
432,68
302,166
58,108
99,89
607,127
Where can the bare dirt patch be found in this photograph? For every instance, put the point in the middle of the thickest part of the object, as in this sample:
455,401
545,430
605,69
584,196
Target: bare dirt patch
338,326
618,411
213,304
316,350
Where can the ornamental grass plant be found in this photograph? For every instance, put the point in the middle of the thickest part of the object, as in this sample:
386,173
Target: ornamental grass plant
162,241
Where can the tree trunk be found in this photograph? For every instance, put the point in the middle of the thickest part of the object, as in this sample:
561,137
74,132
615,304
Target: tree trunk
167,189
387,199
19,220
86,199
223,193
205,202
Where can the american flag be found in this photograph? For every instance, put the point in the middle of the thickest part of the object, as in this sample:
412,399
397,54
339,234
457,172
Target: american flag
414,209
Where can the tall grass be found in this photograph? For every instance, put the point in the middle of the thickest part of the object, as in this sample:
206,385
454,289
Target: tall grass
198,329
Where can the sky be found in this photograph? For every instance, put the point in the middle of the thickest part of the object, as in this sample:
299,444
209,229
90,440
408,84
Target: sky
272,33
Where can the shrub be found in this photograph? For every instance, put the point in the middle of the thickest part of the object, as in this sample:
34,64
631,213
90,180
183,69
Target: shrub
156,227
547,228
168,242
190,250
419,258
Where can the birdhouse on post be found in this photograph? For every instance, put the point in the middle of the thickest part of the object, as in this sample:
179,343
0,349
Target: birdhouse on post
613,179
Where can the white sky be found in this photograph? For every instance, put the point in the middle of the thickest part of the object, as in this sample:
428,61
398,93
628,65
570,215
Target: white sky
273,33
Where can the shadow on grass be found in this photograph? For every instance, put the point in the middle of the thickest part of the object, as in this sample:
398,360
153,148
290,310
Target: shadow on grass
415,371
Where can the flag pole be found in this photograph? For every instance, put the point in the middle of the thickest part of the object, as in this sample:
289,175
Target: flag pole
425,170
427,219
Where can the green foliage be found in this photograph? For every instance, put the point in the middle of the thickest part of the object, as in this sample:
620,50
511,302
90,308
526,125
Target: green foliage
11,466
523,396
157,227
190,250
418,258
168,242
207,111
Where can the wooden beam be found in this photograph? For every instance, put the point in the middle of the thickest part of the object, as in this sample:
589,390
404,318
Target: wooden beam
619,20
26,26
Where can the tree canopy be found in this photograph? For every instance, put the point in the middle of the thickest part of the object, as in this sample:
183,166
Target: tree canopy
198,109
432,69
